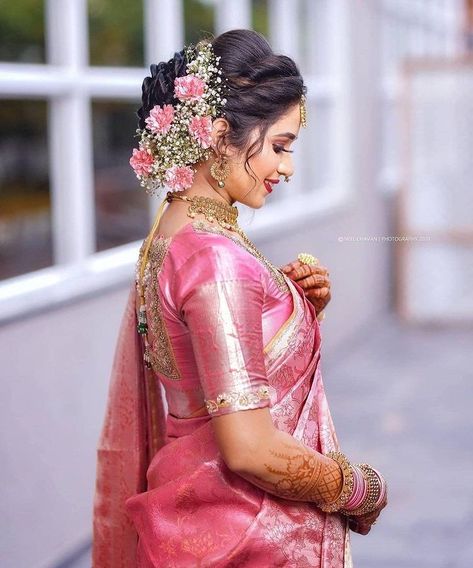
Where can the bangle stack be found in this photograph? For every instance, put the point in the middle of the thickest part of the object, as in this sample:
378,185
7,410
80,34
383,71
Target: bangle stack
363,490
347,485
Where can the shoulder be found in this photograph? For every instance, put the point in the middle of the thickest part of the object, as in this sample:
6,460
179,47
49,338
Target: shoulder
212,253
204,254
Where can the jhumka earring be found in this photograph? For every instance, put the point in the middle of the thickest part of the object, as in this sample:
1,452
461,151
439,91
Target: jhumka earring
220,170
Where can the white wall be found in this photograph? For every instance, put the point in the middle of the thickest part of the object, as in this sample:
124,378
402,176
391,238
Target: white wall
55,368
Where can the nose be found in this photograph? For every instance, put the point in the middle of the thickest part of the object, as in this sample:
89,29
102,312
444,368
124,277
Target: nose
286,165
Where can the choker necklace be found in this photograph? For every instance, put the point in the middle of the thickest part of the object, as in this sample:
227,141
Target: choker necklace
225,214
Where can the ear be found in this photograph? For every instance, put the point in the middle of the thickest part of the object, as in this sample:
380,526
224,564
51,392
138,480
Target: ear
220,128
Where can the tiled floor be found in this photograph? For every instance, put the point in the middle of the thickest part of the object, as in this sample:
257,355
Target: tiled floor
402,399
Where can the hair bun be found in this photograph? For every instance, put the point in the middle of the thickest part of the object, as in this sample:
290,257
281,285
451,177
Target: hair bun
158,89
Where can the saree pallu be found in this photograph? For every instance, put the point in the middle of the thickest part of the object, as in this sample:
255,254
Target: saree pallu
197,512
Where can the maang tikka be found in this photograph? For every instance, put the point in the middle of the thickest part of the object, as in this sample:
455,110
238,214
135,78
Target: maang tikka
220,170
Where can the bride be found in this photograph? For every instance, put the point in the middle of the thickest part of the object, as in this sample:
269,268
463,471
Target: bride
241,466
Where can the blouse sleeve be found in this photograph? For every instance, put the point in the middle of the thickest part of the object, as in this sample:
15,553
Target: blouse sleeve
222,306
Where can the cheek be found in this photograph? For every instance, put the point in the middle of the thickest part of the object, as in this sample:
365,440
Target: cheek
264,163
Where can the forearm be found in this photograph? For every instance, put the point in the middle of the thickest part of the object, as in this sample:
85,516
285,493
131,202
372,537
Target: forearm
278,463
287,468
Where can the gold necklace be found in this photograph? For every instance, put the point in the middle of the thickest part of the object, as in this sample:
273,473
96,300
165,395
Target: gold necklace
225,214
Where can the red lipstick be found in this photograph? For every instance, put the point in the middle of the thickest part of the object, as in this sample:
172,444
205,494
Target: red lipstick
268,183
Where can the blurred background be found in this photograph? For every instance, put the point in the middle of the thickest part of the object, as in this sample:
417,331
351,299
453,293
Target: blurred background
382,196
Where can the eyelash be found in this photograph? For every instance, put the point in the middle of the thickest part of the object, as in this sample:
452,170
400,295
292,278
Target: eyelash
278,148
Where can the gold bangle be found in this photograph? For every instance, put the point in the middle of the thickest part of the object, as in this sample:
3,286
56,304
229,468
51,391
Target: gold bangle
347,485
372,494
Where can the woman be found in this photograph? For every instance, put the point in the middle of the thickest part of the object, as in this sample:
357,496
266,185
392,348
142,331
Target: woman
243,468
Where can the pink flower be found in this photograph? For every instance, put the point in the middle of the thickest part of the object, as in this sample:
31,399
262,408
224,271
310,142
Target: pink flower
200,127
160,119
179,178
141,161
188,88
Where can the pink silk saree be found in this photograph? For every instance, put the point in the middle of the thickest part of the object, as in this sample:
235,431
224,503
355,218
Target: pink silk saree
164,496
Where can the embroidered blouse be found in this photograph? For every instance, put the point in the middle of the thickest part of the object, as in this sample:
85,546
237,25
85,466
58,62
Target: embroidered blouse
214,307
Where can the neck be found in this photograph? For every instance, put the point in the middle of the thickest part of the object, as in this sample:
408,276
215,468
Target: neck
203,187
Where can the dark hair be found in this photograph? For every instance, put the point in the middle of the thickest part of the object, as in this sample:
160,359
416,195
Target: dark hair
262,86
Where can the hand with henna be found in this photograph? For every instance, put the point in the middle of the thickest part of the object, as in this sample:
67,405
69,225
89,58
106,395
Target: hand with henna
313,279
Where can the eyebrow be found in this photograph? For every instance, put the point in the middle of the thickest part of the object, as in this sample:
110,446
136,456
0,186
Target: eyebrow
289,135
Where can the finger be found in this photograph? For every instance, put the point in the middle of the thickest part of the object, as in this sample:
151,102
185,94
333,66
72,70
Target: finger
353,525
359,528
322,293
298,270
292,266
301,271
370,517
314,281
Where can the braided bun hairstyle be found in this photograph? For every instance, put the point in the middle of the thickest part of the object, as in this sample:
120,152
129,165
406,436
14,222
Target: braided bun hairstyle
159,88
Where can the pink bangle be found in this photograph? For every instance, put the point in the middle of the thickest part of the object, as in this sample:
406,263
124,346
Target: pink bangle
359,489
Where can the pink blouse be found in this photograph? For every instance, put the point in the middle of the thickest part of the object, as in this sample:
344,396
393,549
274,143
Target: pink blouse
213,310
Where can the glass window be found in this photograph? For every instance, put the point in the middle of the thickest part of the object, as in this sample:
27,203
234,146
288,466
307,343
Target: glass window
260,17
319,149
315,32
116,32
25,209
121,203
22,31
198,19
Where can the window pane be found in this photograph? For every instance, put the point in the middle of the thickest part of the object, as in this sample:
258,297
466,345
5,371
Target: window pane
121,204
198,19
319,146
25,209
22,31
316,33
116,32
260,17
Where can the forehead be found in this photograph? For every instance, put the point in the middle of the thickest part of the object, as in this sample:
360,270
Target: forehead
289,122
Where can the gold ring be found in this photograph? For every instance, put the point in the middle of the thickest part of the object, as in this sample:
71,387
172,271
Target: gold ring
306,258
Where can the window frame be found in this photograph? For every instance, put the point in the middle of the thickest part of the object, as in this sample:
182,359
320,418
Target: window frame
70,85
429,28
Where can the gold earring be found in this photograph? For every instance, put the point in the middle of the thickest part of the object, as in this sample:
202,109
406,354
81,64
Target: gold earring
287,179
220,170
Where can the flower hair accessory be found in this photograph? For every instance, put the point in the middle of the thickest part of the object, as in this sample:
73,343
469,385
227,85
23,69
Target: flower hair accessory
177,135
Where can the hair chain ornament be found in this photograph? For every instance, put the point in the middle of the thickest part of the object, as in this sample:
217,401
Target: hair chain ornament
303,110
178,135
